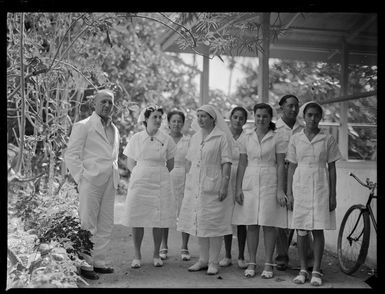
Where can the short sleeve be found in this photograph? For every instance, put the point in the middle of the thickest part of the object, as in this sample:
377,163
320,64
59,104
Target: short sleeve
171,148
333,151
242,144
291,150
280,144
226,154
131,149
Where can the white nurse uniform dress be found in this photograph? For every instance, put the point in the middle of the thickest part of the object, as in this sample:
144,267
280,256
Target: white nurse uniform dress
178,174
259,185
311,180
202,214
150,201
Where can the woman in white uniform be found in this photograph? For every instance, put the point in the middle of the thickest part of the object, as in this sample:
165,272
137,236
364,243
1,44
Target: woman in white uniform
150,201
176,120
311,186
238,118
260,199
206,209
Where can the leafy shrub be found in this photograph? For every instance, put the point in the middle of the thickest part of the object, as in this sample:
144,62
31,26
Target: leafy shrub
66,230
46,236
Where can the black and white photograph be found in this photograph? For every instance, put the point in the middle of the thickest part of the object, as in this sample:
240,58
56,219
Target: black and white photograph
191,150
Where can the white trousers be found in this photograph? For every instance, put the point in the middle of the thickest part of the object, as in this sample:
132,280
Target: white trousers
96,211
209,249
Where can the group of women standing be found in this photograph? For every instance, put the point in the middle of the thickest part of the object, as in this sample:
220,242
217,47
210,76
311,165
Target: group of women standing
224,177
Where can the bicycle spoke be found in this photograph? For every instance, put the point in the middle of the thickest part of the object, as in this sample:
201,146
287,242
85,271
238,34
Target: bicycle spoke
351,240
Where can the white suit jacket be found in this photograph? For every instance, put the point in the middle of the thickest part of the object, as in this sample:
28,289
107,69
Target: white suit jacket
89,153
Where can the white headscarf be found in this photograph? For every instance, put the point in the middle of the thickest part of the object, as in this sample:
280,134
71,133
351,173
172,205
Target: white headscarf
300,115
219,122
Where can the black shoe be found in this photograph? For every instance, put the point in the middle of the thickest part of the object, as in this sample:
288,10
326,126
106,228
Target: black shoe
104,270
91,275
281,267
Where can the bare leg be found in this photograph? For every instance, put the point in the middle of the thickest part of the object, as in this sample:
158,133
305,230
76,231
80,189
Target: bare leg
302,251
157,236
241,234
137,236
282,248
270,236
185,238
164,244
319,244
252,242
228,242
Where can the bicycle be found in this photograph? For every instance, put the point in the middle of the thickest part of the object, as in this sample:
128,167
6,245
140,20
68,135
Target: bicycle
354,233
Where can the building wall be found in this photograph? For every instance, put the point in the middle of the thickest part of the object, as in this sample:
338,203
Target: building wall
350,192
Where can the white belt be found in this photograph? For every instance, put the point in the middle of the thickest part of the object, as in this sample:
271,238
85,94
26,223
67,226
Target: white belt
312,164
262,164
150,163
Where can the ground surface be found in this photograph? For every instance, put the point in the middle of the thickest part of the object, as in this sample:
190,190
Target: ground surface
174,273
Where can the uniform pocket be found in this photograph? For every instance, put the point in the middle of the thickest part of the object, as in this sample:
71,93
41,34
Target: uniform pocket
211,184
247,182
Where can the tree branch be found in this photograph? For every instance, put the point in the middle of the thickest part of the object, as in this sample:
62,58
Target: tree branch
62,40
22,126
77,70
187,30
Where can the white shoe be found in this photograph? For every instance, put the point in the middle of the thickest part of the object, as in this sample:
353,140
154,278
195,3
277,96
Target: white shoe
242,264
212,270
185,255
158,262
198,266
225,262
163,253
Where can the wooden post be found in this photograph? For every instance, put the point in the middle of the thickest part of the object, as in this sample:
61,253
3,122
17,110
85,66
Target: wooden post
263,66
204,87
343,129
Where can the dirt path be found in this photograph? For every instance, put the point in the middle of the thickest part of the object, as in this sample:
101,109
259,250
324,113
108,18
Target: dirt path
174,273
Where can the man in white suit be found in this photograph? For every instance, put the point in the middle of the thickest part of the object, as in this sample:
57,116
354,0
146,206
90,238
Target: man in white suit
92,159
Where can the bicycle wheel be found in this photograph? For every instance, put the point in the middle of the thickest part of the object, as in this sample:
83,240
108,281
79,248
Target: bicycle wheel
353,239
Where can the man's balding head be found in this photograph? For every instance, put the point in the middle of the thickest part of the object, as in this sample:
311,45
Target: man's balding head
103,102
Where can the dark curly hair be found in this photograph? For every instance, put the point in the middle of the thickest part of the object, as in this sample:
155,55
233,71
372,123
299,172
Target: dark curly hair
178,112
149,110
269,110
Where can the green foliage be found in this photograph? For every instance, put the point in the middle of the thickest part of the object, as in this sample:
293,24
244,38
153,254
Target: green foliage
320,82
45,233
228,33
43,266
66,230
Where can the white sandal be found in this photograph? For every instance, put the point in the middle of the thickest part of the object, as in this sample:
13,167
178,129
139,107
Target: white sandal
136,263
225,262
316,281
158,262
163,253
185,255
242,264
249,273
268,274
302,277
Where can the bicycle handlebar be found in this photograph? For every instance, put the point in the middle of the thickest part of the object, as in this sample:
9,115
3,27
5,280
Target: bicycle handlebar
369,184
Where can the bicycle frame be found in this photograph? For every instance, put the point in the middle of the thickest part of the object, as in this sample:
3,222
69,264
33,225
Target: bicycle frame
369,208
371,187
